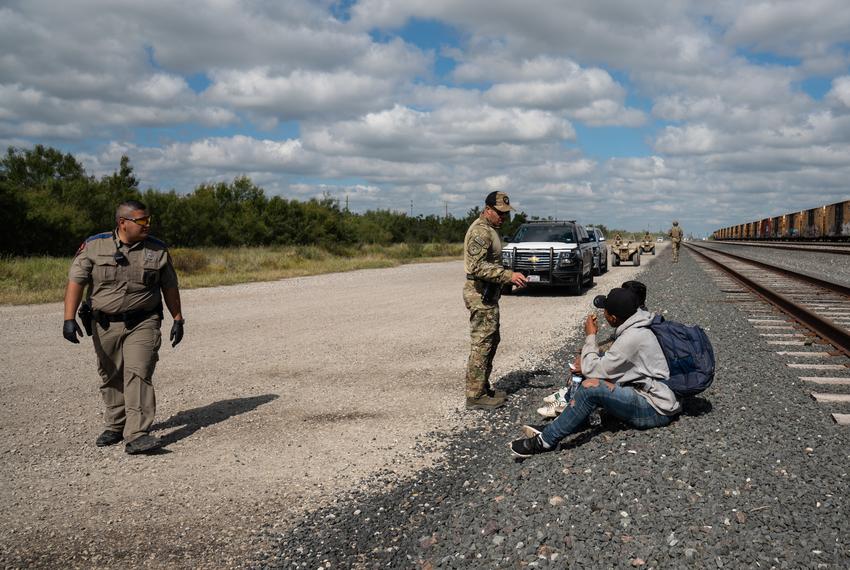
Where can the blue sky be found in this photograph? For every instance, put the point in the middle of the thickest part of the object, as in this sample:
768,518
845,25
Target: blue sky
626,114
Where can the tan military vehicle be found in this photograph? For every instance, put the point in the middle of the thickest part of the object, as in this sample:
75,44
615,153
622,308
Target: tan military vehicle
647,245
625,251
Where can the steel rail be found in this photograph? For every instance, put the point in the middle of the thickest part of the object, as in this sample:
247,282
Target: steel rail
811,279
838,250
837,336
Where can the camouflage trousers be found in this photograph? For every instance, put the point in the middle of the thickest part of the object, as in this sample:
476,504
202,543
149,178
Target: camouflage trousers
484,340
675,252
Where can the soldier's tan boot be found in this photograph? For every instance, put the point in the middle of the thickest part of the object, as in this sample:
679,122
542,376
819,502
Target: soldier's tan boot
497,393
484,402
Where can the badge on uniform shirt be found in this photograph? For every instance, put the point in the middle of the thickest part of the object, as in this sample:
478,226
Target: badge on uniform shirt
150,255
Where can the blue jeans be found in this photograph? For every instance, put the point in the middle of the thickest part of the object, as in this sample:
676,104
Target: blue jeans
622,402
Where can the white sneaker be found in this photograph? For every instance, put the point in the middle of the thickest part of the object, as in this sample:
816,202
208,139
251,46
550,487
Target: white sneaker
559,396
552,410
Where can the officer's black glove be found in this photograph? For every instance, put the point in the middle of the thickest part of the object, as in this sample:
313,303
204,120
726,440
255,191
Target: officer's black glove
70,330
176,333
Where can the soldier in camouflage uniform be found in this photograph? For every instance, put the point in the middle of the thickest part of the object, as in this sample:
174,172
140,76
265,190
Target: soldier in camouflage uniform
676,235
128,273
482,257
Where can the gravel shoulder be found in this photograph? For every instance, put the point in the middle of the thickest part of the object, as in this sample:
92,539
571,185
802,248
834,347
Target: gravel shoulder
284,398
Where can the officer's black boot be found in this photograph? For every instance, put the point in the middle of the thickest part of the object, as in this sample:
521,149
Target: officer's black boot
108,437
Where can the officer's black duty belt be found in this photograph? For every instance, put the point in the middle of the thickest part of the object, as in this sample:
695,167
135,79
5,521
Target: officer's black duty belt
128,316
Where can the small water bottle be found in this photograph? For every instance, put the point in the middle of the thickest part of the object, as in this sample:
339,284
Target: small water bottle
575,381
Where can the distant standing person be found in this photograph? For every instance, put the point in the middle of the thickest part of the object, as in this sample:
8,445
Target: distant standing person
128,273
482,260
676,234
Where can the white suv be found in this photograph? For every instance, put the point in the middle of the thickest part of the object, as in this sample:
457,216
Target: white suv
552,253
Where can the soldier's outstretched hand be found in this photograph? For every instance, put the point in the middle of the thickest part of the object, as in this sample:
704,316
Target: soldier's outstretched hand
518,279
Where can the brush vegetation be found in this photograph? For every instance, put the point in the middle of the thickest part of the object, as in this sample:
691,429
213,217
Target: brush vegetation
42,279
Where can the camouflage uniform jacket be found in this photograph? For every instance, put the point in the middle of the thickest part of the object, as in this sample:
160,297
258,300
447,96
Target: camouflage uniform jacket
482,253
676,233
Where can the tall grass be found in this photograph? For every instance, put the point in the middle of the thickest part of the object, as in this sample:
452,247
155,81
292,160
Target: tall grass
42,279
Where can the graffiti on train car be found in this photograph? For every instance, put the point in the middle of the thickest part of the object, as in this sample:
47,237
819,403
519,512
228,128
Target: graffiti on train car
827,223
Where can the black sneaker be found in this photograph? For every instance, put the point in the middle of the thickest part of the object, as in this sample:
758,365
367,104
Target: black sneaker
143,444
530,446
108,438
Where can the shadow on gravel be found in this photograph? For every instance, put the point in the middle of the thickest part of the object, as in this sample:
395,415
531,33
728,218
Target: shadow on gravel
197,418
515,381
696,407
692,407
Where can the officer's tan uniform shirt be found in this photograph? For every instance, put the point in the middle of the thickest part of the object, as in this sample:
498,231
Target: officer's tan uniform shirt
119,288
482,253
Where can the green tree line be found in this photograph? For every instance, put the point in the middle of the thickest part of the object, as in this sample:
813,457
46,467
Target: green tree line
49,205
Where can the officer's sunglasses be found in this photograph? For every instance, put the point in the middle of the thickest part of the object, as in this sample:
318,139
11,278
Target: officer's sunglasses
144,221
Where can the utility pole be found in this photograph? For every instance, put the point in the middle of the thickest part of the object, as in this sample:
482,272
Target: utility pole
447,209
346,202
411,208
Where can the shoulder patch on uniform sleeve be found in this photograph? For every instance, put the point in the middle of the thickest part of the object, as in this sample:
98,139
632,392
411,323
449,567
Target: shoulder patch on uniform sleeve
480,241
473,249
103,235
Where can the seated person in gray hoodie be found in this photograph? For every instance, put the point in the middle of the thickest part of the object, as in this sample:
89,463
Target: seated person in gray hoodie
624,381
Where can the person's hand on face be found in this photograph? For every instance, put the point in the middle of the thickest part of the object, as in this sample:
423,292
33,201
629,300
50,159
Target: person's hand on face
590,324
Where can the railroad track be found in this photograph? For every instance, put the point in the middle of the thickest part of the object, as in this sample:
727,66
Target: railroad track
840,249
812,312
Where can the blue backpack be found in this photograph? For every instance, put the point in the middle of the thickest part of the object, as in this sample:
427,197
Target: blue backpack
689,355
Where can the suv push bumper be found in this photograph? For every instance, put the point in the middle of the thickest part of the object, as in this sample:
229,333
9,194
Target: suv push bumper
543,267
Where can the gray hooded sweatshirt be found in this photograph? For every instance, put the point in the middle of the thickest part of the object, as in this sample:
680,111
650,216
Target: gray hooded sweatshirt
635,359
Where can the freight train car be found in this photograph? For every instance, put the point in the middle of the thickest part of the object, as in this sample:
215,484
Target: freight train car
826,223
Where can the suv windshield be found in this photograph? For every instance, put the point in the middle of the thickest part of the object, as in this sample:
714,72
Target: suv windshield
562,234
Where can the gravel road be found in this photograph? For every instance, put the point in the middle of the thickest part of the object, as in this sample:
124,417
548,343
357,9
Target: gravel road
754,474
284,398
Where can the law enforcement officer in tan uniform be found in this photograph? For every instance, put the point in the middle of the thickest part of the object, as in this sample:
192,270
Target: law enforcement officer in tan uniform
128,273
482,258
676,235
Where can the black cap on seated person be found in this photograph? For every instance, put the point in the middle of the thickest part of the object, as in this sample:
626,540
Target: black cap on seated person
639,289
622,303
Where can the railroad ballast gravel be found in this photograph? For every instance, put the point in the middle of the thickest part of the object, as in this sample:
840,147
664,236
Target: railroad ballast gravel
830,266
753,474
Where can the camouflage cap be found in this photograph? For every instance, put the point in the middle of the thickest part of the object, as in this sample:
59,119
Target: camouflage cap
499,201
